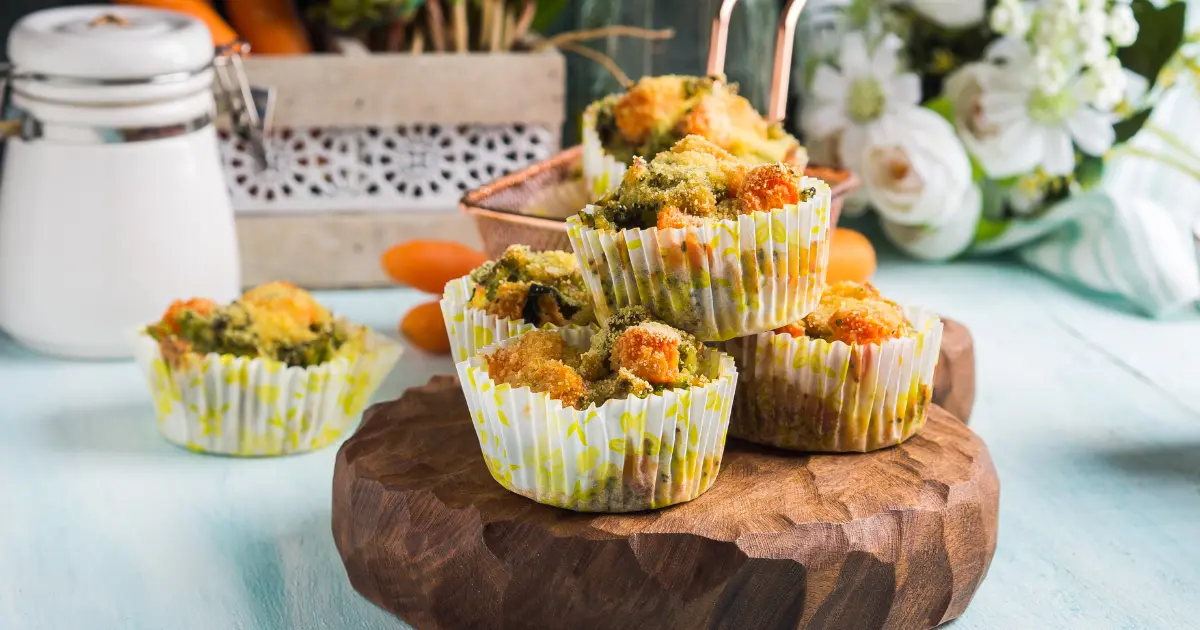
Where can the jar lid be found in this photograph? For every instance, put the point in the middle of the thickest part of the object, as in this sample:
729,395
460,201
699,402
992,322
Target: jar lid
109,42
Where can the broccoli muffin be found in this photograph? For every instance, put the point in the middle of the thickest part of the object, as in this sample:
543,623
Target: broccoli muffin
628,417
271,373
519,292
538,287
711,245
691,183
656,112
632,355
274,321
854,375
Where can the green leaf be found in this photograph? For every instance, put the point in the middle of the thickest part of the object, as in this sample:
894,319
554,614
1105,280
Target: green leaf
1129,127
1089,171
547,12
989,229
993,193
1159,37
942,106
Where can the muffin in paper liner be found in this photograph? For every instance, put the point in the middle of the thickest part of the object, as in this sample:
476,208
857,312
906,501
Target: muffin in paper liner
261,407
601,170
472,329
717,281
624,456
811,395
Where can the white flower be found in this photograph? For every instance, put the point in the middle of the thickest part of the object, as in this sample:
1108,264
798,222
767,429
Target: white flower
1010,18
952,13
942,242
1012,126
850,101
1105,84
1093,35
1028,193
1122,25
915,170
1051,71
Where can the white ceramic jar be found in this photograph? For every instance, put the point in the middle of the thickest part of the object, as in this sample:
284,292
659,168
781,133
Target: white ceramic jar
113,201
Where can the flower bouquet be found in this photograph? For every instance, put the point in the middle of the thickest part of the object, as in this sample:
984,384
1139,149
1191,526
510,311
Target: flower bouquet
1005,125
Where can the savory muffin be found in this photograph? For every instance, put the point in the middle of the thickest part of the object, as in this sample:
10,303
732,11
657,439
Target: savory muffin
693,182
632,355
629,417
852,313
656,112
274,321
538,287
854,375
271,373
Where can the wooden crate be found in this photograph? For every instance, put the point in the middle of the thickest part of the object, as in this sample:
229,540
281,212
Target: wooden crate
368,150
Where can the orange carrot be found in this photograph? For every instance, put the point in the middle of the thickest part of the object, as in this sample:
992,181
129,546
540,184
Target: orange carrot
222,33
425,328
427,265
270,26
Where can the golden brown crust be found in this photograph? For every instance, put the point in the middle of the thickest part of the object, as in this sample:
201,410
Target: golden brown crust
649,351
768,187
852,313
652,103
536,361
657,111
693,182
631,356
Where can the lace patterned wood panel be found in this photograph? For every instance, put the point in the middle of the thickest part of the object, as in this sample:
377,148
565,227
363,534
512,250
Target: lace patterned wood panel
403,167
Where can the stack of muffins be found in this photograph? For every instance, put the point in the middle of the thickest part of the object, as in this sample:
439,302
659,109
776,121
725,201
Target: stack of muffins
693,307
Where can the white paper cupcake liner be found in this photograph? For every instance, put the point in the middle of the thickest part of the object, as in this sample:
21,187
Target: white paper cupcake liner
472,329
718,281
811,395
601,171
260,407
627,455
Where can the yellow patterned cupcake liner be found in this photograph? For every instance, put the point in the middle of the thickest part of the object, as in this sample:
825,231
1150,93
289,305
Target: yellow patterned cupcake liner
718,281
260,407
625,456
601,171
811,395
471,329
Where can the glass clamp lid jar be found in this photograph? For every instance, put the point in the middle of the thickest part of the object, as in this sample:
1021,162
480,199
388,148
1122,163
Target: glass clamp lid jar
113,202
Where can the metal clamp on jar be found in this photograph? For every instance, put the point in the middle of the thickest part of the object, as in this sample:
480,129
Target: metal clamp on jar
113,200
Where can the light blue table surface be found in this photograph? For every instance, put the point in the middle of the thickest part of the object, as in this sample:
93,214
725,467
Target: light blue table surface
1092,416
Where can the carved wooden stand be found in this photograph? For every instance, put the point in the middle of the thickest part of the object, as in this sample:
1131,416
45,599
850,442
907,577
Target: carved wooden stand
900,538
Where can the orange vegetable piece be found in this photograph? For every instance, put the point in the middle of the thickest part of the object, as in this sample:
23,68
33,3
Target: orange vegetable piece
851,257
222,33
424,327
271,27
200,305
428,265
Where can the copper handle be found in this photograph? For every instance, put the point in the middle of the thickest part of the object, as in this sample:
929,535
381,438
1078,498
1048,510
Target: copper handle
784,38
720,37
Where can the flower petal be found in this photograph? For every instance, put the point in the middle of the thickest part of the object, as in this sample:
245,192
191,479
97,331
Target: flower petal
854,60
886,58
1013,150
1091,131
1059,156
944,241
904,90
853,145
829,85
822,121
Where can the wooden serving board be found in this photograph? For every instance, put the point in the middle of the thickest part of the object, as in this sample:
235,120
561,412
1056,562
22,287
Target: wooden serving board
899,538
